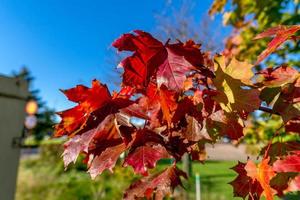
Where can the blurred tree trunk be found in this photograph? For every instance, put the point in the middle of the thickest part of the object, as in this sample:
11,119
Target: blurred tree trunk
187,164
182,23
187,168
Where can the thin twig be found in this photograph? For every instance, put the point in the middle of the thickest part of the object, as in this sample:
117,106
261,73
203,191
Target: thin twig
268,110
271,141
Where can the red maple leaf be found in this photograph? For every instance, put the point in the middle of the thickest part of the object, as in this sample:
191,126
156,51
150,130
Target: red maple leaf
187,107
163,99
198,152
280,149
106,159
143,157
287,105
177,145
291,163
274,77
157,106
181,59
162,184
243,185
94,104
76,145
281,182
171,62
294,185
195,131
227,124
145,149
147,55
88,99
102,146
263,173
281,34
293,125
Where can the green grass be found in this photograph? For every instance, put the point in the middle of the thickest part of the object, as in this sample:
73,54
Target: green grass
43,177
41,180
40,177
214,178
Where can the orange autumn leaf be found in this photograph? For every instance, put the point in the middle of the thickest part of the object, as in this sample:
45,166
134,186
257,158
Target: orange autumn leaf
263,173
88,99
165,99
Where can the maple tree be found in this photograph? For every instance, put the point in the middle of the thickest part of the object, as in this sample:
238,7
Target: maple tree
247,18
174,99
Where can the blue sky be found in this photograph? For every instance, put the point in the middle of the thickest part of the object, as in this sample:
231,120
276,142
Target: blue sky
65,43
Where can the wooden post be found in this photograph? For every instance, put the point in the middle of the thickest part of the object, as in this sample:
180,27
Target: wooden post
198,187
13,96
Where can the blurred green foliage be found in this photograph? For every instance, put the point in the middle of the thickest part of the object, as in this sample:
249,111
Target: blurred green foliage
43,177
250,17
265,127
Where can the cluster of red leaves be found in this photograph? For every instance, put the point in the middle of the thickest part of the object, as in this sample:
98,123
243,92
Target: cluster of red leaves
174,98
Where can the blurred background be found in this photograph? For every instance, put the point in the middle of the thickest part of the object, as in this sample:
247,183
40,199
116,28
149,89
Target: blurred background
50,45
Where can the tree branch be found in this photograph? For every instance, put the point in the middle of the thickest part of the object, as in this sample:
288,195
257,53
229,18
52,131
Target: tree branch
268,110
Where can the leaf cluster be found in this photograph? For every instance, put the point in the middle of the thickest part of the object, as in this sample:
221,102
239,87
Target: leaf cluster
173,100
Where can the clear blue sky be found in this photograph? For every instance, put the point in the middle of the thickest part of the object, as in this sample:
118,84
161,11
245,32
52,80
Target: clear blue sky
67,42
